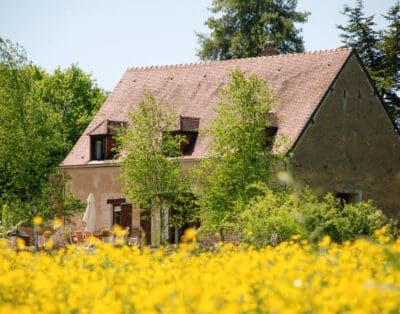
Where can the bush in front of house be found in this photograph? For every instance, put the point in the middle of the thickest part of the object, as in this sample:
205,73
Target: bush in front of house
341,223
276,216
268,220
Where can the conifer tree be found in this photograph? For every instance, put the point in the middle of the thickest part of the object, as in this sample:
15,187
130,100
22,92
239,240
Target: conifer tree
360,34
390,71
378,50
241,29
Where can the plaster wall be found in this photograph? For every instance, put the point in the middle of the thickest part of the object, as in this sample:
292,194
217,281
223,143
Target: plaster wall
103,182
350,144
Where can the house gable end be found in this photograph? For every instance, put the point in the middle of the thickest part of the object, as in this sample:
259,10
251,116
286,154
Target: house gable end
350,143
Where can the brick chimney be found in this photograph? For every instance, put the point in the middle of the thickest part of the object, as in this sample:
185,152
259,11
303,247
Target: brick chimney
269,52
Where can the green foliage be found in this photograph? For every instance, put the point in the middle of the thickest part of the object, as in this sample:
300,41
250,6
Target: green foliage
7,221
272,217
379,50
241,29
146,171
151,180
239,156
75,96
36,131
341,224
185,210
360,34
57,202
28,138
390,73
268,220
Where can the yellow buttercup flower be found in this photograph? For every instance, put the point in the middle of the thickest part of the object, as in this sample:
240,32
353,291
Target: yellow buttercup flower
297,283
93,240
189,235
326,240
295,237
37,220
20,243
3,243
57,223
48,245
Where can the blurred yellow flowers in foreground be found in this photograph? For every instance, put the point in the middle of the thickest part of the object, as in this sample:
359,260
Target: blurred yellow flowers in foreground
293,277
37,220
57,223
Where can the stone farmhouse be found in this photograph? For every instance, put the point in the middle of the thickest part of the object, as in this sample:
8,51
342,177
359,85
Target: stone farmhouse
341,137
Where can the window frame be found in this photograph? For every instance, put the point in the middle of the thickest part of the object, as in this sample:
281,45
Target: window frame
108,142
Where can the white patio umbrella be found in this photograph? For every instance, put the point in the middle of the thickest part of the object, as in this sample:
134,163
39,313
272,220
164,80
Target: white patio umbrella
89,218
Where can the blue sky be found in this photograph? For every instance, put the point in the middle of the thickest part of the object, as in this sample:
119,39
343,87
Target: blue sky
107,36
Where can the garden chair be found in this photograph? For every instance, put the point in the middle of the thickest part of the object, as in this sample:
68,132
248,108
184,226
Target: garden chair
76,237
133,241
80,236
73,238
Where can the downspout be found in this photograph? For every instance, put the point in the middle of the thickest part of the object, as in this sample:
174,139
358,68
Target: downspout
63,200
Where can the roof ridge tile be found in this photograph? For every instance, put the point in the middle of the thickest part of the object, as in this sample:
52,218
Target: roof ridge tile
205,63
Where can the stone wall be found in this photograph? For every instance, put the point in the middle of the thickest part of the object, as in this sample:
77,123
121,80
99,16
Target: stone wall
350,145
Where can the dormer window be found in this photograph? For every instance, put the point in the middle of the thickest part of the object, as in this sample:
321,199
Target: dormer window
188,132
349,197
102,140
99,148
102,147
187,142
270,133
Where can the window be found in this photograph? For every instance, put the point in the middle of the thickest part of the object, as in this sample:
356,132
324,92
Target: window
270,133
102,147
98,148
349,197
186,137
187,141
121,213
102,139
117,215
189,130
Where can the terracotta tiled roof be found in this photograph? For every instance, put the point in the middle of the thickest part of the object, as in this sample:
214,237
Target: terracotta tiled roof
299,81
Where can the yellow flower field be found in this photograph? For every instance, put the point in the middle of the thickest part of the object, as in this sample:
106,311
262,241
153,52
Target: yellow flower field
294,277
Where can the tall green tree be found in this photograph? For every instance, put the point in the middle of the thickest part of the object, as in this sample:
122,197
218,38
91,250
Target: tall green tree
28,138
241,29
239,154
39,117
378,49
151,179
74,95
360,33
390,71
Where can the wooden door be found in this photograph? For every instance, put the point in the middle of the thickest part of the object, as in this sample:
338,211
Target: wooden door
126,216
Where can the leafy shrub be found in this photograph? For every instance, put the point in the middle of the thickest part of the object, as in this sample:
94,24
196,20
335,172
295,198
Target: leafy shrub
273,217
330,218
268,220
